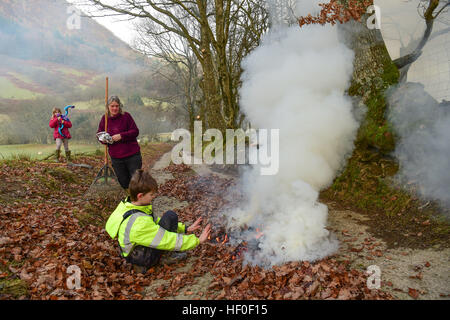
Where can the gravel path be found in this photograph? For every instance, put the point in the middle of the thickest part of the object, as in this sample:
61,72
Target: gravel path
402,269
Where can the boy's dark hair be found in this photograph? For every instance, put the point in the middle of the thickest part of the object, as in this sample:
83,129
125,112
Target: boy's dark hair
142,182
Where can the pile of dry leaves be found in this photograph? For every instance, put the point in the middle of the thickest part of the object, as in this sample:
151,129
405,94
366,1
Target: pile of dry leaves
41,236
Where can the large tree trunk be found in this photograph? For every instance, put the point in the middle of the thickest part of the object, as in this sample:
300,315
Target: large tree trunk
373,73
211,111
362,183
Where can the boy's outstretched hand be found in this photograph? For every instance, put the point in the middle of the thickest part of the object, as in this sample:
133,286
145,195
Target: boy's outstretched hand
195,225
205,234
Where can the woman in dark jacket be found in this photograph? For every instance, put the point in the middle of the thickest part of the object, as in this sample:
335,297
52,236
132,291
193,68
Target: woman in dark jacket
125,152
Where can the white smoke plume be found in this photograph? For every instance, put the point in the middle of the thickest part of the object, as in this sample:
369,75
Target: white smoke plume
423,147
295,82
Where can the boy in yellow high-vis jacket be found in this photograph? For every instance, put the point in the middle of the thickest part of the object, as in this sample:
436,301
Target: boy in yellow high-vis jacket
142,238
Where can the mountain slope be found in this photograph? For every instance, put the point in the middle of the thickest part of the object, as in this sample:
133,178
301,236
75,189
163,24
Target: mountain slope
40,55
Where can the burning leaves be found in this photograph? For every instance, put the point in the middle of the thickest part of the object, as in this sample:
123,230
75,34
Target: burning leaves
327,279
220,241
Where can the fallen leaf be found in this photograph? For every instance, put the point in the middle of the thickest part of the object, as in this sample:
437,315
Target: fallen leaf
344,294
417,276
5,240
25,276
213,285
298,292
413,293
128,279
226,280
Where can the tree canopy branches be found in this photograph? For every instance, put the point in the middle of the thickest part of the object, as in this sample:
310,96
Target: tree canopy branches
219,34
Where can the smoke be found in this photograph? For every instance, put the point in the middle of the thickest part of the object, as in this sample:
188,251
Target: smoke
303,8
295,82
423,148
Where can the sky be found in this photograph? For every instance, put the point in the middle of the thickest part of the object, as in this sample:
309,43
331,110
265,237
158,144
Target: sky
119,25
400,24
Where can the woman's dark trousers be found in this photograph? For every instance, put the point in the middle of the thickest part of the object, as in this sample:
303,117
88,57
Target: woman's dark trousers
125,167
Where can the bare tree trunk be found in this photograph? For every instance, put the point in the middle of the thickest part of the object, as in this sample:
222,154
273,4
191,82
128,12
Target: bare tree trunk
404,63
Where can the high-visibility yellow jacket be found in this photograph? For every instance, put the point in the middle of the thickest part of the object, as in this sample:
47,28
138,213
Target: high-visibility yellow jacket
141,229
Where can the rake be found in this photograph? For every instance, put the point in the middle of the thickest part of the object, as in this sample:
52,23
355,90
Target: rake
106,180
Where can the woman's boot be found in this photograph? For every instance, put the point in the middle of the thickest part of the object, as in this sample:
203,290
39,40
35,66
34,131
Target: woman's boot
68,158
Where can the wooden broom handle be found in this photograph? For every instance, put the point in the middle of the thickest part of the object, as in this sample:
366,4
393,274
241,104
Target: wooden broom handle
106,119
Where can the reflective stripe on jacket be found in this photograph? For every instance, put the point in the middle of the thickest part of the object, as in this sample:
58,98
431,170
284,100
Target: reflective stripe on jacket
141,229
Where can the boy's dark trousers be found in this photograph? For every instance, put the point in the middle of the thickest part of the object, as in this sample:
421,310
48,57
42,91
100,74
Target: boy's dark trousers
148,257
125,167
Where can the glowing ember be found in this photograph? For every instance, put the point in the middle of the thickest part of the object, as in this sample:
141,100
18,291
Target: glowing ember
259,235
225,239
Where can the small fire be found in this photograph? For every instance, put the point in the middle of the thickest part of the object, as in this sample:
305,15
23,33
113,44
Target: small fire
222,241
259,234
222,238
225,239
238,251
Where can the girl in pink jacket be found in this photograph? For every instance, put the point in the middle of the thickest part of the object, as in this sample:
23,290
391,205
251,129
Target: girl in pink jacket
61,136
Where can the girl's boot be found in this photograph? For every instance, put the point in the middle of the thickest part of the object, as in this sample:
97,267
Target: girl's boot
58,154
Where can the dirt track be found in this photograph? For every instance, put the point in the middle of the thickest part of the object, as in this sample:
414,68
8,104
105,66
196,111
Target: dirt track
426,271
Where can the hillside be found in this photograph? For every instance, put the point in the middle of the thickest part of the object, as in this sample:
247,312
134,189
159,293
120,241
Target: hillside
40,55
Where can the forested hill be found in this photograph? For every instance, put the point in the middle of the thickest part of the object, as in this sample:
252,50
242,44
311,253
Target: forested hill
39,54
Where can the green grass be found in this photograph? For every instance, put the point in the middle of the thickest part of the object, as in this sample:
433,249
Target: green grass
4,117
10,91
97,104
21,77
40,151
10,286
150,102
15,288
71,72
